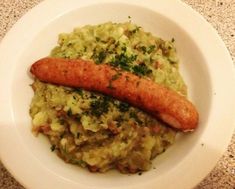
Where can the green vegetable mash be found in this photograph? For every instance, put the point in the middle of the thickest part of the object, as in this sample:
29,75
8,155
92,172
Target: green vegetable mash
96,131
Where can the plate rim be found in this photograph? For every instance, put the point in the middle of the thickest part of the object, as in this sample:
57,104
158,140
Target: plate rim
29,16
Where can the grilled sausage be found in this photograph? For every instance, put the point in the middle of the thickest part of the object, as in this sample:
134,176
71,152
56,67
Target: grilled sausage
156,99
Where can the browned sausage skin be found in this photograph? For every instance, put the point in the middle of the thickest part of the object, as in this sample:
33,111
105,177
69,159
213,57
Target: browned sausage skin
156,99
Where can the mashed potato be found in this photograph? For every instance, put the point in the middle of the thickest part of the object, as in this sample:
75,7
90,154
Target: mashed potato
96,131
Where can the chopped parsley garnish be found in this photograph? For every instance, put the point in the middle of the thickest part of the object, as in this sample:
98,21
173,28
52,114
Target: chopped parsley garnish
93,96
123,61
53,147
116,76
77,162
78,118
100,106
124,48
151,49
123,107
79,91
99,58
148,49
97,38
119,120
141,69
69,112
137,83
62,121
135,30
130,32
135,117
116,44
62,135
110,86
144,49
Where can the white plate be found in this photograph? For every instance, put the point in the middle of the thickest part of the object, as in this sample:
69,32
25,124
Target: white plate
205,65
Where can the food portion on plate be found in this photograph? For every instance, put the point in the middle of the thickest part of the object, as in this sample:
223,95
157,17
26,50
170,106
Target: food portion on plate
110,96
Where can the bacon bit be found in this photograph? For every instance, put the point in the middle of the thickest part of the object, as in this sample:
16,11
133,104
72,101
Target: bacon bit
146,129
156,65
133,125
133,169
36,130
126,169
93,168
49,120
44,128
72,149
113,127
61,113
155,128
121,168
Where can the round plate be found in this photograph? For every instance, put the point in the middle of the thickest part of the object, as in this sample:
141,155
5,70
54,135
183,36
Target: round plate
205,65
